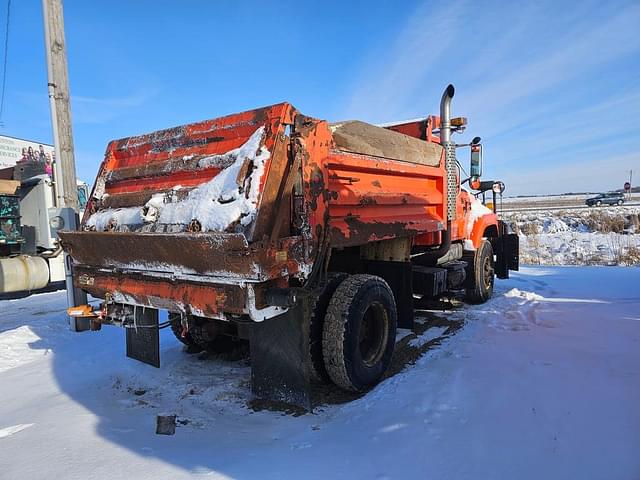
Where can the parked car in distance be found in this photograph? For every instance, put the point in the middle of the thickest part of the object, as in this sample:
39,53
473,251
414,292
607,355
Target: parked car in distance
611,198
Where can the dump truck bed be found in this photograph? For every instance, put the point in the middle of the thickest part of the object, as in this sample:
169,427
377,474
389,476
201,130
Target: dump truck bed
205,218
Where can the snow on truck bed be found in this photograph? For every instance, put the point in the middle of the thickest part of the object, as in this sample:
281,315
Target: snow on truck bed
217,204
541,382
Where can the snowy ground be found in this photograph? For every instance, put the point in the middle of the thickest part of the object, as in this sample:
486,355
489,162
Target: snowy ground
541,382
600,236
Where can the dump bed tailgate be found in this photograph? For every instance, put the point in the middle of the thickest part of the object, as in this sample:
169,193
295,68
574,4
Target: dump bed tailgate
205,176
187,199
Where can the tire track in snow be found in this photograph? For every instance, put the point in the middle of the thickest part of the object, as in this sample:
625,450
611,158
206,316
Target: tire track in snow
8,431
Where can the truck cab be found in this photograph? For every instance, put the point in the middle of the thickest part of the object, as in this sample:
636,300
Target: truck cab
30,253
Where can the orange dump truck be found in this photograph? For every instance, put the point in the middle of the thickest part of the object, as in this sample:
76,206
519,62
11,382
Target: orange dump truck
309,240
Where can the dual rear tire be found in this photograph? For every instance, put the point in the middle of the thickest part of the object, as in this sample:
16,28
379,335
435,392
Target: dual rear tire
352,332
358,332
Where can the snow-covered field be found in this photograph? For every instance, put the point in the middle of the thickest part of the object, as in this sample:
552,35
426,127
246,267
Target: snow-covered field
603,236
541,382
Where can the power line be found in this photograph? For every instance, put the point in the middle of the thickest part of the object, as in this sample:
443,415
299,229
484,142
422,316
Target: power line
6,55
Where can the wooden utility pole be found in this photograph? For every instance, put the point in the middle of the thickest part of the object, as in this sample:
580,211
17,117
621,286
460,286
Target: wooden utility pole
65,168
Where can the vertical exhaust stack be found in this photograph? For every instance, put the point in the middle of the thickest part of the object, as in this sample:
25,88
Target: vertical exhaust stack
450,151
431,257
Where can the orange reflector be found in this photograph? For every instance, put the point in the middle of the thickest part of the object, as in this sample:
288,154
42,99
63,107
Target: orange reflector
458,121
81,311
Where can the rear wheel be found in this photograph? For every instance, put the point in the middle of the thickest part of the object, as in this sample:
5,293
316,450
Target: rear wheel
480,274
359,332
321,299
619,202
199,337
598,203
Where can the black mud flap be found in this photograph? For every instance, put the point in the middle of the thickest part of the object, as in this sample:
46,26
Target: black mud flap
280,363
512,251
143,338
507,254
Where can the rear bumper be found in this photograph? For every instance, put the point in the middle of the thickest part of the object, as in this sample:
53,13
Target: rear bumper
189,296
208,275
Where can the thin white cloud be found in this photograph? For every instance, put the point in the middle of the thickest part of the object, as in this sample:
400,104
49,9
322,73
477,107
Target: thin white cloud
393,76
96,110
585,50
570,133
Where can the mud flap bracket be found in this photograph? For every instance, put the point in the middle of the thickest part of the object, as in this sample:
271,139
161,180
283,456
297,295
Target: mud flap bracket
280,369
143,337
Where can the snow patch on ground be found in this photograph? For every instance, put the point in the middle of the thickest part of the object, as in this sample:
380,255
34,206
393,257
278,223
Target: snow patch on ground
15,350
606,236
430,334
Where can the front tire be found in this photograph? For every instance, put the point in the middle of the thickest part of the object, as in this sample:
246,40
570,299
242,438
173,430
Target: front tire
619,202
598,203
480,274
359,332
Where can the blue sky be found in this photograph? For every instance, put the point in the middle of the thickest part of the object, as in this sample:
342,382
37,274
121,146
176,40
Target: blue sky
553,88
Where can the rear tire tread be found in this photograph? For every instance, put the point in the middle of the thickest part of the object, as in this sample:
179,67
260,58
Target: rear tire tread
318,309
333,334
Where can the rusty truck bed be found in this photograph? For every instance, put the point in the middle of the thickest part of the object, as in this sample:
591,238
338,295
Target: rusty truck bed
186,218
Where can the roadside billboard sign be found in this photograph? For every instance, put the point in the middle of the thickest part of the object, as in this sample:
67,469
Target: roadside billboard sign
13,150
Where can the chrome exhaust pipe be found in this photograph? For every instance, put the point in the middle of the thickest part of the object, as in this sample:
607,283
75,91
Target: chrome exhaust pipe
445,114
450,151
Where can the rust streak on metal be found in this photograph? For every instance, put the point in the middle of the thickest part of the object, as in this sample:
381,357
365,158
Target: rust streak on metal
208,299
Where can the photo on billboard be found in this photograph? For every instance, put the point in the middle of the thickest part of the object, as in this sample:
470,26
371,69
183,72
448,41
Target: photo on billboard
16,150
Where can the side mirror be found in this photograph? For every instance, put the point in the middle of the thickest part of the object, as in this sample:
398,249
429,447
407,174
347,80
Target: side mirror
476,160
